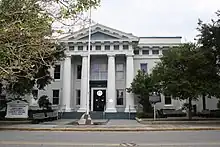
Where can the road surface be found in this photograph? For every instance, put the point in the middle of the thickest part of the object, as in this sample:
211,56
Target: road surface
111,139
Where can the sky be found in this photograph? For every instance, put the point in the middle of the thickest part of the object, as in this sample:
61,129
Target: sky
145,18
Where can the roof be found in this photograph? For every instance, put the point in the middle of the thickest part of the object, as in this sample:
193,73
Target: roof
162,37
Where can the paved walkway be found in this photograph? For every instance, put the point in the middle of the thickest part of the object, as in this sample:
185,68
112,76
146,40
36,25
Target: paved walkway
112,125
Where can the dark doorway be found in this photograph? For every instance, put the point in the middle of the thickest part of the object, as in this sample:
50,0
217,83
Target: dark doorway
99,99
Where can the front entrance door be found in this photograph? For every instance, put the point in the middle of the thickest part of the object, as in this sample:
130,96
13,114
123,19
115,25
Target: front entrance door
99,99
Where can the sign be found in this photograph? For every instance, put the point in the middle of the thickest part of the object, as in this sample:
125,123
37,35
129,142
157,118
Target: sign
17,109
155,98
99,93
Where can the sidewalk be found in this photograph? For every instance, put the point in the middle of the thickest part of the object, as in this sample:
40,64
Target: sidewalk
112,125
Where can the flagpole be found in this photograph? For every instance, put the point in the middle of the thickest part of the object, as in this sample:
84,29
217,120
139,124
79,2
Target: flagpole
89,48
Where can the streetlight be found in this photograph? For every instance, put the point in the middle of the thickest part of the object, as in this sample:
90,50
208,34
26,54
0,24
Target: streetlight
89,48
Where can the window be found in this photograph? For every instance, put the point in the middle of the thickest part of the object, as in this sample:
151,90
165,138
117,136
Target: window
80,48
107,47
98,47
125,47
144,67
78,95
116,47
155,52
57,72
71,46
98,71
120,97
56,95
79,71
145,52
136,52
168,100
119,71
35,93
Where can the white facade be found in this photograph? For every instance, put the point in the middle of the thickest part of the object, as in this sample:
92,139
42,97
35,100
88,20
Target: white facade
115,59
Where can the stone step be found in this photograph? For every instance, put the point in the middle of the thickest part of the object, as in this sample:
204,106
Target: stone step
99,115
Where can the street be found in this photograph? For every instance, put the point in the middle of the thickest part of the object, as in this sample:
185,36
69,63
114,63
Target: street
71,139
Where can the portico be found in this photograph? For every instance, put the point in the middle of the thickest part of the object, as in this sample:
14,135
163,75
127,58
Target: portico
105,75
111,63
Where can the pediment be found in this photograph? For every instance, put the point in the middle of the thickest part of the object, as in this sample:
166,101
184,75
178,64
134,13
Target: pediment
100,32
99,36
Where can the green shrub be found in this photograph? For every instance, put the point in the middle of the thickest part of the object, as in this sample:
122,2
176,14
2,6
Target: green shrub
44,102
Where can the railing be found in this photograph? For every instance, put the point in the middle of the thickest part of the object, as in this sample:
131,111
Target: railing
103,114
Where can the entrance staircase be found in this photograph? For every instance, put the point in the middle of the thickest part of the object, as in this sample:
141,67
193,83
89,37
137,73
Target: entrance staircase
99,115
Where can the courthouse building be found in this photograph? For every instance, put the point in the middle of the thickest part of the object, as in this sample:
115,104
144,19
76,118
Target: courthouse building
115,58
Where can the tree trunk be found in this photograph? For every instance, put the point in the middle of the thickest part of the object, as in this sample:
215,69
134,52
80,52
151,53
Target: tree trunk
203,102
190,109
146,104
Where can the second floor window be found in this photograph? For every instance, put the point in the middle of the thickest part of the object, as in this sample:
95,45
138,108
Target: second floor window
125,47
107,47
119,71
145,52
155,52
144,67
57,72
98,71
98,47
80,48
116,47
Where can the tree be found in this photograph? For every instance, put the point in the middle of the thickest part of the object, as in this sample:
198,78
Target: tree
209,41
185,73
27,50
142,85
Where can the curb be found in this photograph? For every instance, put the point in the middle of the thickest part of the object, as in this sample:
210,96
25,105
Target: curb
109,129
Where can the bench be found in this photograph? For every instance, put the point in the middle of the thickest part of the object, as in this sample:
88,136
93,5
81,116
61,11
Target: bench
38,117
171,113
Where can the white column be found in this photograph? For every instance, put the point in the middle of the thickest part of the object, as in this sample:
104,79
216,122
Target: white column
84,81
129,78
111,94
67,83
